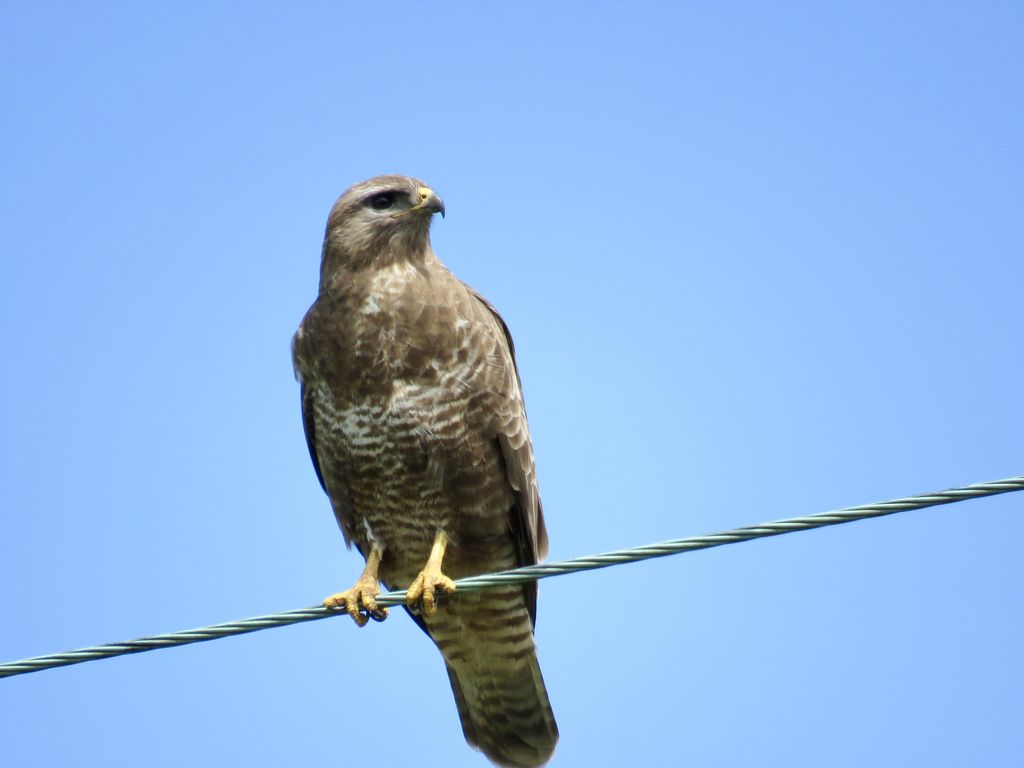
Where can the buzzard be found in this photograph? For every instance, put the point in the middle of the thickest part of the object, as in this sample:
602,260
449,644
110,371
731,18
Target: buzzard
414,417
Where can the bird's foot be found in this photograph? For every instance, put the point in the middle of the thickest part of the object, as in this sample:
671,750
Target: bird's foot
360,601
422,594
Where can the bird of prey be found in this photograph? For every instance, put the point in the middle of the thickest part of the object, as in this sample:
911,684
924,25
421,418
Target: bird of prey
414,417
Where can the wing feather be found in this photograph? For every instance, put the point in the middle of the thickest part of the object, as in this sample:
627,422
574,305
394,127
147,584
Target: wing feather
526,517
309,427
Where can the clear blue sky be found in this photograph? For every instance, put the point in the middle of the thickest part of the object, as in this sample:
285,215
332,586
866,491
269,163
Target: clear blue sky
759,259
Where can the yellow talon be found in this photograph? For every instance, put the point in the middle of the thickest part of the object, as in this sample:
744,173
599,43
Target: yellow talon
361,601
421,596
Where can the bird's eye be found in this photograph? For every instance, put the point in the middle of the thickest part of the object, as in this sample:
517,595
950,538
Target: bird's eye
382,201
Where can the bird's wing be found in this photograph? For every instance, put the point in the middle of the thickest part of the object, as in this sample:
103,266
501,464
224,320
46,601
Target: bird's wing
339,495
526,517
309,427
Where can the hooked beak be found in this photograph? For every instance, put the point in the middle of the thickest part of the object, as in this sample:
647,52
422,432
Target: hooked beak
429,203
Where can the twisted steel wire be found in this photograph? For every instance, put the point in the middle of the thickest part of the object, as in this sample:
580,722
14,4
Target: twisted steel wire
529,573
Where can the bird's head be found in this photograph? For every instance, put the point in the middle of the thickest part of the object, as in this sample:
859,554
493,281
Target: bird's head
379,220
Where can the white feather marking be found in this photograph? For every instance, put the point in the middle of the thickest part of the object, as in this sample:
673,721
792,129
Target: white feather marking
371,307
371,536
388,282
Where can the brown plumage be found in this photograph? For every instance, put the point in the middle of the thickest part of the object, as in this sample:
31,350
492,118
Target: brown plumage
414,417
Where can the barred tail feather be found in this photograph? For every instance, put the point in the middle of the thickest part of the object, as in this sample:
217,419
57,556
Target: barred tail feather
496,679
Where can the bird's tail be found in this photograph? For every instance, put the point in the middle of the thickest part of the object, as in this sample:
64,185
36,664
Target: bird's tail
486,639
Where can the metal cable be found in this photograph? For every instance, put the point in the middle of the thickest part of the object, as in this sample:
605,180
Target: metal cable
529,573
